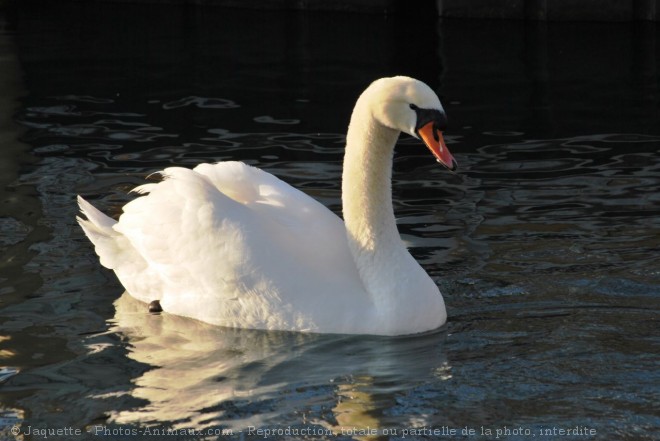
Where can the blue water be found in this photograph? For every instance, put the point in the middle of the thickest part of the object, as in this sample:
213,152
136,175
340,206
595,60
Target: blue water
545,243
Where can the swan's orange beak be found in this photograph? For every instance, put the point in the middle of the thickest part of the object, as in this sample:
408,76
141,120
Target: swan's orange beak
436,143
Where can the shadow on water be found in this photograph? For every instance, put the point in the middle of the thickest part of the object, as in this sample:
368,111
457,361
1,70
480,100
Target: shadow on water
545,243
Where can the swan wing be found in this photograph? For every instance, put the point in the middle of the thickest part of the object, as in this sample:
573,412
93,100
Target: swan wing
230,244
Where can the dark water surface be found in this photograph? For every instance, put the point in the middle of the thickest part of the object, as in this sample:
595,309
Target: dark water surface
545,243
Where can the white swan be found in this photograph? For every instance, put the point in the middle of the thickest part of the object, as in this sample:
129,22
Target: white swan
231,245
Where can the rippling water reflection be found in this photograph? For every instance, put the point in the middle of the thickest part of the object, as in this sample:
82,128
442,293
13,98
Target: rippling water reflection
242,378
545,242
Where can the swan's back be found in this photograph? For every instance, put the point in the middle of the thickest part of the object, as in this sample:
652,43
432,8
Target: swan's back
232,245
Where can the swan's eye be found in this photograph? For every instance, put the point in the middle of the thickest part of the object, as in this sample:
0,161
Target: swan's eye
414,107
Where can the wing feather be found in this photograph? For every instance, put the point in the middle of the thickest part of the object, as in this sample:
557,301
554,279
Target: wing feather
230,244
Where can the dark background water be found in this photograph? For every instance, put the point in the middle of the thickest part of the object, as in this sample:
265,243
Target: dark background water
545,243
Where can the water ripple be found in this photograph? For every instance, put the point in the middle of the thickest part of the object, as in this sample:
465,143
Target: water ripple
201,102
267,119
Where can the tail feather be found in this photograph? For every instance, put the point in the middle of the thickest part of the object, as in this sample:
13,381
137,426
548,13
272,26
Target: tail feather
98,228
95,216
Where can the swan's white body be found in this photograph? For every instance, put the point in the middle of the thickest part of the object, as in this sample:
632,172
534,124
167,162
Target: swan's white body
231,245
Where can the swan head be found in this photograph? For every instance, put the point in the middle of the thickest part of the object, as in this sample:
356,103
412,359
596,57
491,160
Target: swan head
410,106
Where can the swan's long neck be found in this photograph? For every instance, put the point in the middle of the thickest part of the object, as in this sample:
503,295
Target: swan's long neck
367,203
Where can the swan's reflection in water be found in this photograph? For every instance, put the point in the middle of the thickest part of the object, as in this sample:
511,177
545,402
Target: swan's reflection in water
205,376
